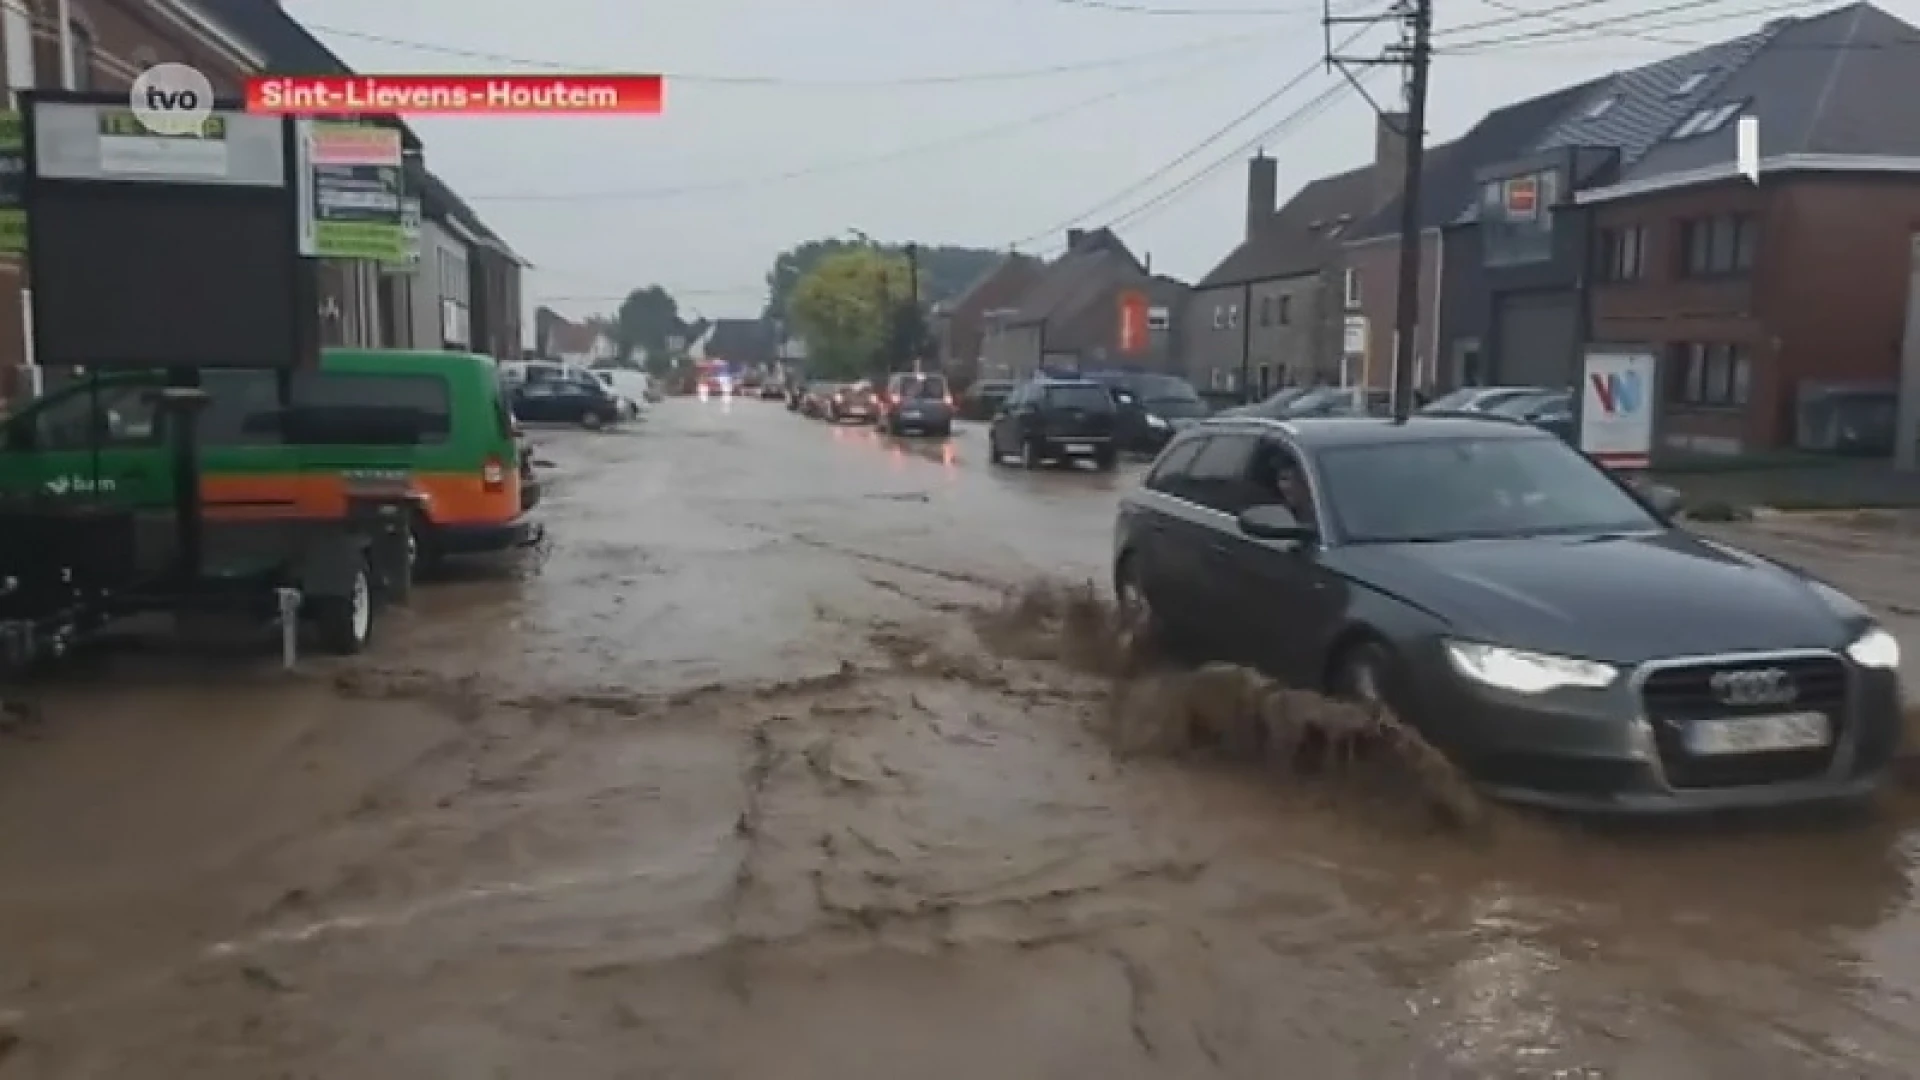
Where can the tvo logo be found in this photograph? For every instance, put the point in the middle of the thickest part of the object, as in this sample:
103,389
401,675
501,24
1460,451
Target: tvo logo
172,100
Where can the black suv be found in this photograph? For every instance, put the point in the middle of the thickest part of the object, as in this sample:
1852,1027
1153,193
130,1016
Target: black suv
1056,420
1542,624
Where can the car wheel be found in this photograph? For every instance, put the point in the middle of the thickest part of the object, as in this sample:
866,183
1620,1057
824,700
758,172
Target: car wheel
345,623
592,421
1142,631
1362,675
944,431
1029,454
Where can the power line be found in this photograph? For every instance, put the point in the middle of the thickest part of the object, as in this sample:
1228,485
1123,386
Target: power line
1142,9
954,79
1134,85
1520,12
1607,27
1188,155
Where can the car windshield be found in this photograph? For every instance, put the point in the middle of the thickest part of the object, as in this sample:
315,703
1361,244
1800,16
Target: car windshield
1456,401
926,388
1460,489
1090,397
1325,397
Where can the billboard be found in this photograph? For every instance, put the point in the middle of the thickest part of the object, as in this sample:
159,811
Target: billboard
1616,408
1134,308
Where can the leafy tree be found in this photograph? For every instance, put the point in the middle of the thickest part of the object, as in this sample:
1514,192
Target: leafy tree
848,308
646,319
945,271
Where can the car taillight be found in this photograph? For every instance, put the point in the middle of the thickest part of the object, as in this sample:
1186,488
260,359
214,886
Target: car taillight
494,474
947,400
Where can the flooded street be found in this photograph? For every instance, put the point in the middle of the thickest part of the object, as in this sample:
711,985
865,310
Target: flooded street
723,784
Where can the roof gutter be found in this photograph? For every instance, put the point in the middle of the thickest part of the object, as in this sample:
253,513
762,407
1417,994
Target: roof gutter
200,25
1774,166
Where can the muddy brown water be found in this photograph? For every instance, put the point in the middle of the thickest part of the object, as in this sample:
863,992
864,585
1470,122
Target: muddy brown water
757,773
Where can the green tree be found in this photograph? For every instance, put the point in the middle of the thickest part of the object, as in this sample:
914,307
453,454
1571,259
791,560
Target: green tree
945,271
646,319
848,308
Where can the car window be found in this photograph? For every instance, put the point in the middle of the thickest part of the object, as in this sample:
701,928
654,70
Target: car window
243,409
1219,475
120,415
1276,475
1174,464
1090,398
332,408
1456,489
1456,400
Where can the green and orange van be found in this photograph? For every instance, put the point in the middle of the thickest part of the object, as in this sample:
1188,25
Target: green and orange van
267,452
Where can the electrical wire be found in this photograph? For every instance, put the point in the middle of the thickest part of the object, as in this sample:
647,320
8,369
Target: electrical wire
1523,13
1607,27
707,78
1134,85
1188,155
1142,9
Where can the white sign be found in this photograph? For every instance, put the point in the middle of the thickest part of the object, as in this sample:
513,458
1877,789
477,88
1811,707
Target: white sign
1355,340
163,156
1746,157
1616,408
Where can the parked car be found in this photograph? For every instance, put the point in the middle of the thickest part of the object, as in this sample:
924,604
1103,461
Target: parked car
1550,410
1274,405
1152,408
1477,399
628,386
1547,628
915,404
1056,421
1337,401
983,399
856,403
818,396
585,401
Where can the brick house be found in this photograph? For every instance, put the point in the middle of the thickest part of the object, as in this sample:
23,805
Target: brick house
959,324
1070,317
1750,294
111,42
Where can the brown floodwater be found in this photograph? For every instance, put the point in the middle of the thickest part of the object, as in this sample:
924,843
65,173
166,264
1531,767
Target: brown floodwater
775,763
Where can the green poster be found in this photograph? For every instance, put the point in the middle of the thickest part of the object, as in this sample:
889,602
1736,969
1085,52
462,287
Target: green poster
357,210
13,175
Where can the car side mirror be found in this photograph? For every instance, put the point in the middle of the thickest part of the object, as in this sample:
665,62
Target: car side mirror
1273,522
1666,501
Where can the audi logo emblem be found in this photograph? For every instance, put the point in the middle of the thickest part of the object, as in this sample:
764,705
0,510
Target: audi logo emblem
1766,686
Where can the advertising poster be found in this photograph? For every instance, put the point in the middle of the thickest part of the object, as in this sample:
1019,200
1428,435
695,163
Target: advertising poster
1616,408
1133,323
356,193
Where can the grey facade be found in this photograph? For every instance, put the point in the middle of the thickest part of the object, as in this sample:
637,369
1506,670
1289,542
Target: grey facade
436,297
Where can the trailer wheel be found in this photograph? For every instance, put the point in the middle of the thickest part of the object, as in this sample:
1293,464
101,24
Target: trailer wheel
345,623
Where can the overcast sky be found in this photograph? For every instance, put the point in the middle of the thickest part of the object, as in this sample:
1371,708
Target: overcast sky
696,201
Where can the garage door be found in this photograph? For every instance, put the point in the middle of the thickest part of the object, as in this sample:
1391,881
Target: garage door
1536,336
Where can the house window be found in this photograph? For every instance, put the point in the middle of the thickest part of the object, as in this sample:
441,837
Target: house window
1233,316
1621,254
1219,316
80,42
1266,311
1718,246
1707,121
1286,310
1353,290
1711,375
1689,84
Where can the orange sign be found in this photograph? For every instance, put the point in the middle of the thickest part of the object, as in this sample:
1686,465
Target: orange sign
1523,197
1133,322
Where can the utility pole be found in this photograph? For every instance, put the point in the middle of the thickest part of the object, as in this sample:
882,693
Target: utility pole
912,322
1414,53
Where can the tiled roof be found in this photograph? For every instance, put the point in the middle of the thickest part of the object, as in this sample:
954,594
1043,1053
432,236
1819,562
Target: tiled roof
1646,102
1295,240
1077,277
1840,83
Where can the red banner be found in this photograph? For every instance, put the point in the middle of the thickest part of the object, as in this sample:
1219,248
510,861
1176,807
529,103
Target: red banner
1133,322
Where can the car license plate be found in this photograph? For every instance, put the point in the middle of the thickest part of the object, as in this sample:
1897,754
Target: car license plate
1760,734
1079,448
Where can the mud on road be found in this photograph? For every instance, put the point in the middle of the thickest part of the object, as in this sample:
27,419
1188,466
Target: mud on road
769,767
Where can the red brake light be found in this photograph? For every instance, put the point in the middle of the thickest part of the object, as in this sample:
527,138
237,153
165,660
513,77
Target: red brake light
494,474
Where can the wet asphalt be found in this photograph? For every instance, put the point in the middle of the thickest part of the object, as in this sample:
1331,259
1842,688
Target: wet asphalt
721,783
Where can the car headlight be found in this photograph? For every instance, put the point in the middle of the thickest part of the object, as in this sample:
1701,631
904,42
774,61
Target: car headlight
1876,649
1527,672
1155,421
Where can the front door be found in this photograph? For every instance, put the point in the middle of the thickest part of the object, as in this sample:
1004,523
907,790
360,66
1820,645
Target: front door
1285,602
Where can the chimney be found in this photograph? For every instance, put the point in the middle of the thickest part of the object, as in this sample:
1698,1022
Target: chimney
1074,236
1147,263
1389,158
1263,183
